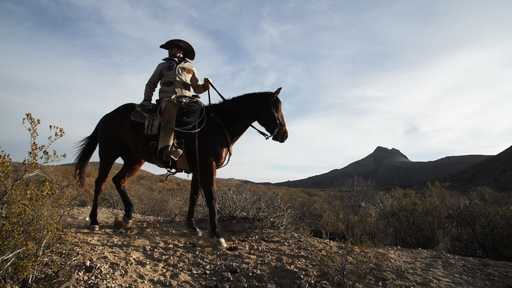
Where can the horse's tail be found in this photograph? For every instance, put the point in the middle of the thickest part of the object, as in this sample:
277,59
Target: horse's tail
85,148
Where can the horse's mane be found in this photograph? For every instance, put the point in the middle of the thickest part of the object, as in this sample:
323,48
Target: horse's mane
251,102
251,99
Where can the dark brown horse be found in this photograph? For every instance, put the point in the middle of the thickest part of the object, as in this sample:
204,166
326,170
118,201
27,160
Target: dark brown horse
119,136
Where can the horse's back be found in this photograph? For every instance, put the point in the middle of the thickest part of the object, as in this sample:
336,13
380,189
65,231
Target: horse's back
116,127
122,111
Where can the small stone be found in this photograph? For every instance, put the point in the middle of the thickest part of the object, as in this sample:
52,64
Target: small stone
232,248
227,277
241,280
89,269
234,270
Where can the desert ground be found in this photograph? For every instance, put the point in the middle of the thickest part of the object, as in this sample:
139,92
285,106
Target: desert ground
158,252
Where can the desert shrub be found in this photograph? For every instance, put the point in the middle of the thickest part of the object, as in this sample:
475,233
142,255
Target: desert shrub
305,218
356,191
32,204
478,224
350,267
350,213
151,195
414,220
333,221
483,226
363,228
161,199
249,202
356,228
306,207
154,196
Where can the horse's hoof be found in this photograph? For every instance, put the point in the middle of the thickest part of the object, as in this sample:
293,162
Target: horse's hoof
127,222
196,232
122,222
219,243
94,227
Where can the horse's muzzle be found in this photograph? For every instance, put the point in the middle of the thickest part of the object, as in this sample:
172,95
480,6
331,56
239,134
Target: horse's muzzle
281,135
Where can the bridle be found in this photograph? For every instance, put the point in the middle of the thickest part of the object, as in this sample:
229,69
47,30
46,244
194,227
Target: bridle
278,119
274,111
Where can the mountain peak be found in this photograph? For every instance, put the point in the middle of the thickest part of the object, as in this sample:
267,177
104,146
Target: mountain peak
381,154
391,168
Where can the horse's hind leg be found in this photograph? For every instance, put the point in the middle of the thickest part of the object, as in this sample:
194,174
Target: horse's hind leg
194,197
130,167
99,185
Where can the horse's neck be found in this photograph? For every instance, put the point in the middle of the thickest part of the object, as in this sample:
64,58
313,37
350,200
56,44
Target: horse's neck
237,118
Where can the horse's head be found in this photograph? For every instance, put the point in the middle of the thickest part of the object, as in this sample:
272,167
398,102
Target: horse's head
272,119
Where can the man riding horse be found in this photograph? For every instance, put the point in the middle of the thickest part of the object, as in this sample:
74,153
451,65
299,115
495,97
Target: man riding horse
176,76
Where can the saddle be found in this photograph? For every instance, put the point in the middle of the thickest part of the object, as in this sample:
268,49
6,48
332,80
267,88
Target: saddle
190,118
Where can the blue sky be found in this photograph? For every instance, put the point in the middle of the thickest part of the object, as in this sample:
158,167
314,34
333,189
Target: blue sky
430,78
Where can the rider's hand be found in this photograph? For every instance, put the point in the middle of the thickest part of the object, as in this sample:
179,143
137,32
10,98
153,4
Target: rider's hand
207,83
144,104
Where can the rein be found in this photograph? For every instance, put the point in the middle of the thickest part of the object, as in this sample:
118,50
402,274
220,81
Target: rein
227,104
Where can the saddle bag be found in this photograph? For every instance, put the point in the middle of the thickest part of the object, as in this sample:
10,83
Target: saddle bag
152,125
148,116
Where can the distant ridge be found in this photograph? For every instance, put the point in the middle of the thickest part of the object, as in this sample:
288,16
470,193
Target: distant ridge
494,172
391,168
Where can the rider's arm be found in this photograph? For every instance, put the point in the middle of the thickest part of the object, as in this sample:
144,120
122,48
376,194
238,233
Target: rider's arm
196,84
153,83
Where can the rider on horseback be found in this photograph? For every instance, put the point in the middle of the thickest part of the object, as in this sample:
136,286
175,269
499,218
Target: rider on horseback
176,76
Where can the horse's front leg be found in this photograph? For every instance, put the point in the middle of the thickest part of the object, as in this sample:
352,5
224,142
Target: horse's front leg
210,195
130,167
194,197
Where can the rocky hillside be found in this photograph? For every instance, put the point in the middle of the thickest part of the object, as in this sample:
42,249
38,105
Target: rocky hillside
390,168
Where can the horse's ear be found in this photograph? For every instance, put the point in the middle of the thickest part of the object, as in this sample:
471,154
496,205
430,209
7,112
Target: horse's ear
277,92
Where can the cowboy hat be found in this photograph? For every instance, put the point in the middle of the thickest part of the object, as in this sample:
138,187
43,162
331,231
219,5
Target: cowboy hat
188,51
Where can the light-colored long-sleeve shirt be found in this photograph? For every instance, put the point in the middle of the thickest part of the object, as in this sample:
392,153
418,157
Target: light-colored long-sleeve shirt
174,82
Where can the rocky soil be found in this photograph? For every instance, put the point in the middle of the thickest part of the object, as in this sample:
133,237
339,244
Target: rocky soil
161,253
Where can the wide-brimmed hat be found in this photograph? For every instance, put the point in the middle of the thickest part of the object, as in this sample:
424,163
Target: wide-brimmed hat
188,51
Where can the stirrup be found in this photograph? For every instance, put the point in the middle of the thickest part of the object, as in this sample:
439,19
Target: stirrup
177,153
170,172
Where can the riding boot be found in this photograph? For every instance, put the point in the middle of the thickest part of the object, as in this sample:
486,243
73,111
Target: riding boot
168,154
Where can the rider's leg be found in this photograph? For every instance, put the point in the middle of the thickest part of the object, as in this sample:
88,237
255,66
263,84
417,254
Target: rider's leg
165,148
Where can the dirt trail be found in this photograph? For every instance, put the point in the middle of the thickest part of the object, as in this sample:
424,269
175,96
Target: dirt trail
158,253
